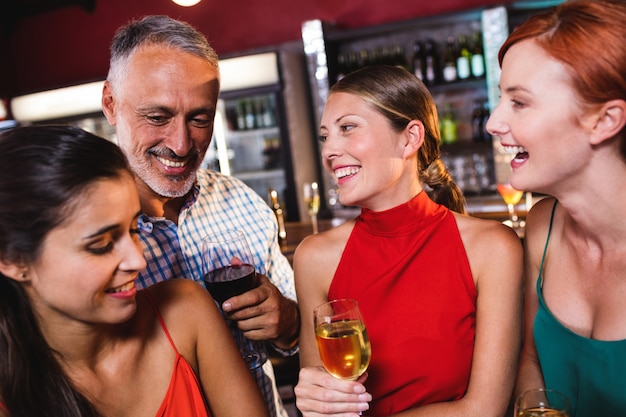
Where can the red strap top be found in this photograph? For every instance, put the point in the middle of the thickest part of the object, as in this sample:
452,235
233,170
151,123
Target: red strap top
408,269
184,396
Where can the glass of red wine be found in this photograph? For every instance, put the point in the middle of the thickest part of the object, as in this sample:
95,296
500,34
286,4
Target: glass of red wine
228,271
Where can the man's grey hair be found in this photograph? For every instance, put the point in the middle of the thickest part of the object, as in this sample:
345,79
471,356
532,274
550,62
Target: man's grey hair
156,30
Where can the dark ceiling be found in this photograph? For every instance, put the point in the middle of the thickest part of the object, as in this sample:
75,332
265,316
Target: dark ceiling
20,9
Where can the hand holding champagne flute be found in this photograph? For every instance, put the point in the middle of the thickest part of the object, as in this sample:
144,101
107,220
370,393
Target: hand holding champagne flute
342,338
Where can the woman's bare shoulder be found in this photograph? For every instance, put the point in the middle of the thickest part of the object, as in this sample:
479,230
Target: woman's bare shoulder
323,244
477,231
178,298
317,257
490,246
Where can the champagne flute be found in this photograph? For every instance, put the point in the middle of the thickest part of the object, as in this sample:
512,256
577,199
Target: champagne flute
228,270
511,197
312,201
342,339
541,403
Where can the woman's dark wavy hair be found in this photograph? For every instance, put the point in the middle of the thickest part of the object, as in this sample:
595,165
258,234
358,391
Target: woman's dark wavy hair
401,97
44,170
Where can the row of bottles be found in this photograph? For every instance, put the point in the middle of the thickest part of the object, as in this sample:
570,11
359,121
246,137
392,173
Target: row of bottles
252,113
461,59
350,61
448,123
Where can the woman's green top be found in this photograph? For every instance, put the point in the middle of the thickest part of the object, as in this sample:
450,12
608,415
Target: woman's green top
592,373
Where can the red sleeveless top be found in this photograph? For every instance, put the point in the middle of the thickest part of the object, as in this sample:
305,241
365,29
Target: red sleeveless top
408,269
184,396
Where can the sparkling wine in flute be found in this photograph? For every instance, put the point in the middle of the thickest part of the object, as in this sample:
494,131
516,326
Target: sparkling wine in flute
344,348
312,204
342,339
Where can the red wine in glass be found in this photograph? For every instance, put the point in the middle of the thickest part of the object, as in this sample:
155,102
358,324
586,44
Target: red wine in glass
230,281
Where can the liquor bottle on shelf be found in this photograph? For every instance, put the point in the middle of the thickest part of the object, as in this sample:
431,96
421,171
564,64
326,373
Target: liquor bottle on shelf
419,63
365,58
280,217
448,125
342,66
269,118
347,62
249,114
398,57
449,62
480,116
431,62
257,105
463,59
241,115
478,58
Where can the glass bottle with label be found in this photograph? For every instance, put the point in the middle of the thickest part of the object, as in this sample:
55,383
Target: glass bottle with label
449,62
419,64
463,59
431,68
478,58
448,126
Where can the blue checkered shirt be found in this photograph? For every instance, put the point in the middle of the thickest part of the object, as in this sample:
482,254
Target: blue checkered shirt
218,202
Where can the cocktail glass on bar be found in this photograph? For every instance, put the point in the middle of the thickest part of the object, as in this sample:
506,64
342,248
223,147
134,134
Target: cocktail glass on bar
511,197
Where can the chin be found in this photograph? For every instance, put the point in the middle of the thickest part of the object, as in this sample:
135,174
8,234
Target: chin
171,187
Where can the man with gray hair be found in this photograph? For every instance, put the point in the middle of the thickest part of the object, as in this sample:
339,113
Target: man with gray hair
161,95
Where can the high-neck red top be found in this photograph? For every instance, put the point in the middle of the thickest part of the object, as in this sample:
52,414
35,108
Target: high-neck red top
408,269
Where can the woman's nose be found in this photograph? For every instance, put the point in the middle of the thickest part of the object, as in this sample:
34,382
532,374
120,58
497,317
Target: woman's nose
134,259
329,148
495,125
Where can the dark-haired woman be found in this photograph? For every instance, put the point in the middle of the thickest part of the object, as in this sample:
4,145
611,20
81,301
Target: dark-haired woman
76,337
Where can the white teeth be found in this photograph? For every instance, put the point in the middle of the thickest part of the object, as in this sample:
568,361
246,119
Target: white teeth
514,149
125,287
169,163
344,172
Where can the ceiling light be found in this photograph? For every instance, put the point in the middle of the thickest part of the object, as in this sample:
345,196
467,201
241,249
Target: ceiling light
186,3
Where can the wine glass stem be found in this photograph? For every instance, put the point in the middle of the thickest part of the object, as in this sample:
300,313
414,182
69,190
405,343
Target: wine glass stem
314,223
512,213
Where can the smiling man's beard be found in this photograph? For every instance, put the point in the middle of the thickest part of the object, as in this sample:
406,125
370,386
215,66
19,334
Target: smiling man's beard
170,186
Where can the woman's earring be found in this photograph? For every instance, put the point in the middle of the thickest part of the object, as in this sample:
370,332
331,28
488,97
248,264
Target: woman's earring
23,274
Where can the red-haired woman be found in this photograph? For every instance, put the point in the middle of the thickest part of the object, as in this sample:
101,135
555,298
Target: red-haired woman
563,112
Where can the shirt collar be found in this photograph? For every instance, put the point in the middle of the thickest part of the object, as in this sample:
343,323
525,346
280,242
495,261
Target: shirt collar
145,222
